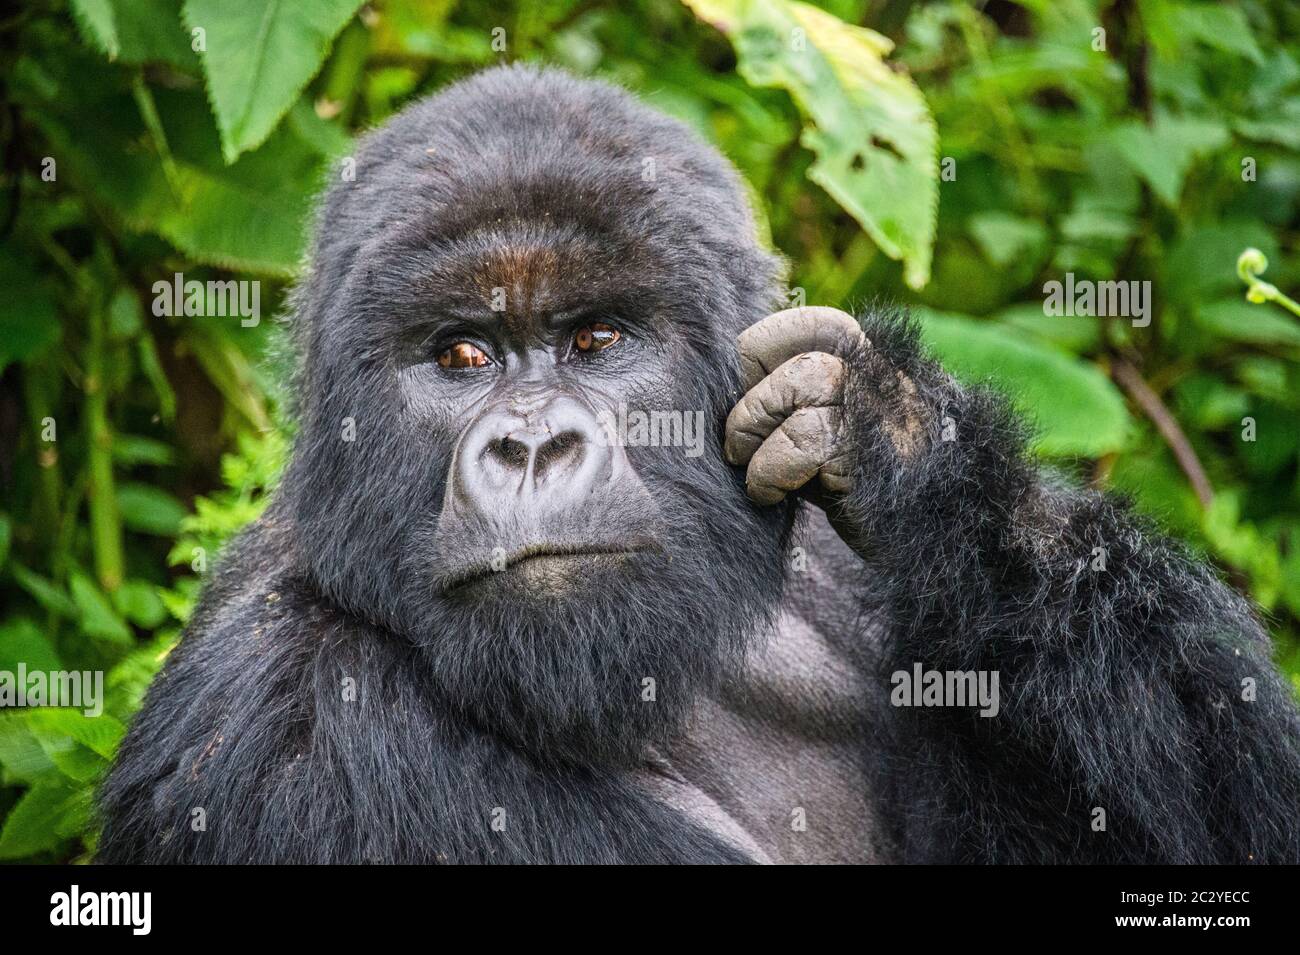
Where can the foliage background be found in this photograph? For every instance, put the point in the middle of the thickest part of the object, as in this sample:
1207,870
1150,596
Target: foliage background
1125,162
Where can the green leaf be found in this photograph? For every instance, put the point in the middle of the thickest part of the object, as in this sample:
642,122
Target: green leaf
73,760
46,593
1219,26
98,619
97,24
181,601
1163,153
1283,130
1202,264
33,823
6,535
152,369
1208,403
151,32
259,56
229,369
1004,237
125,316
1149,474
1238,320
871,131
21,756
133,449
131,676
1241,544
249,216
28,322
138,601
149,509
1276,440
21,641
100,734
1075,407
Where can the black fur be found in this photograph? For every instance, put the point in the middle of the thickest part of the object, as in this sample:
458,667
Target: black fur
463,707
328,705
1121,689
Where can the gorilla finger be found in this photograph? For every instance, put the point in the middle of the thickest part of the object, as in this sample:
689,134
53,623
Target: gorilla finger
807,380
776,339
792,454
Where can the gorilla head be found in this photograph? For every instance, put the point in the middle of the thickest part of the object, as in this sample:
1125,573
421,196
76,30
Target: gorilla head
519,262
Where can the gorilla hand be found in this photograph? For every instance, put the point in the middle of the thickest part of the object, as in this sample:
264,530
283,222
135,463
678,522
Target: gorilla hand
794,426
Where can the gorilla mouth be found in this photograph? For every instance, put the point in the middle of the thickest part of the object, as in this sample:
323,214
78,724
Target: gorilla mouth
541,560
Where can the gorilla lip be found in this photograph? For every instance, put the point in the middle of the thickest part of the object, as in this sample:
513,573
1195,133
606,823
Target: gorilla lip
482,570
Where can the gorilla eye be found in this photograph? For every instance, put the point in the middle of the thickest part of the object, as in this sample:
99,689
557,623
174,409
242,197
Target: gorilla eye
594,337
463,355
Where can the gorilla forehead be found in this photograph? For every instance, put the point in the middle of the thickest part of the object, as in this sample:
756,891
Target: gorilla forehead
521,144
554,188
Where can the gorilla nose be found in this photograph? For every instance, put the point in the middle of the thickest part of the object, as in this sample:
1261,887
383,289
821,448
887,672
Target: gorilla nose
556,452
536,453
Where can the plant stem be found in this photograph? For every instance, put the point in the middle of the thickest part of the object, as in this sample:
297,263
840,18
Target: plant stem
105,522
1131,381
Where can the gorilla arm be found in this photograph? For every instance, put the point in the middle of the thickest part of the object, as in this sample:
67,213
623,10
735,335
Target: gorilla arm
1137,683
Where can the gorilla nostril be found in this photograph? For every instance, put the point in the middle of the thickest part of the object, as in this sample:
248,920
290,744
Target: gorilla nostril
513,454
546,451
563,447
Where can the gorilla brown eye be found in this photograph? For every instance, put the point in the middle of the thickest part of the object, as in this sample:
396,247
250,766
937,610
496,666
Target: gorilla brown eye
594,337
463,355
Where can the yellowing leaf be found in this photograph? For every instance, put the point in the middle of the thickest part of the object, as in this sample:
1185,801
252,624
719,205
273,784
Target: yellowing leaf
870,128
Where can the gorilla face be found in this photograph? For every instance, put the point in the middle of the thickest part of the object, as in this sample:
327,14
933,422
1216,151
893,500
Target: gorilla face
501,284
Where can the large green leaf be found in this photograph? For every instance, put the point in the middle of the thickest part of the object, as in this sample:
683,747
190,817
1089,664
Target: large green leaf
98,618
151,31
138,601
149,509
21,757
871,131
259,56
1202,265
46,593
1163,152
1075,407
22,642
1238,320
250,216
34,824
1217,25
1004,237
99,734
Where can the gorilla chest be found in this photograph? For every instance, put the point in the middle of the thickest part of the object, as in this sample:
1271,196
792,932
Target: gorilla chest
775,763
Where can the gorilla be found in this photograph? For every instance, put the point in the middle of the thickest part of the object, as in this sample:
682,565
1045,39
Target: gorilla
483,621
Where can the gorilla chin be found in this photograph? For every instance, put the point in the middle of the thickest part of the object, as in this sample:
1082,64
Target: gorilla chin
588,650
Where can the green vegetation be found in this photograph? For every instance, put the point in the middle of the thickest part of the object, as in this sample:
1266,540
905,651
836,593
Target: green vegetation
955,157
